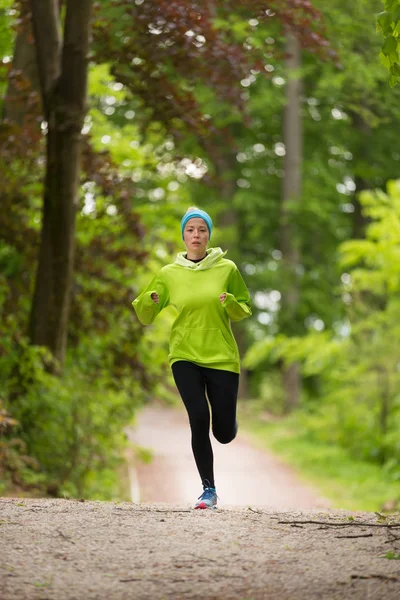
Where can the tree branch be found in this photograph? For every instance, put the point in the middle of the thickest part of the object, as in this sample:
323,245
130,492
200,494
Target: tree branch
351,537
346,524
377,576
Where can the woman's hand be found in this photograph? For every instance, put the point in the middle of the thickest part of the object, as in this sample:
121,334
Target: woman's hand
222,297
155,297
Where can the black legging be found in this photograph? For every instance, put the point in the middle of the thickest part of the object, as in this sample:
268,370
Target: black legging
192,382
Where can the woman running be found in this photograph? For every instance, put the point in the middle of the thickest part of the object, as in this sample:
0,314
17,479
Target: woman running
208,292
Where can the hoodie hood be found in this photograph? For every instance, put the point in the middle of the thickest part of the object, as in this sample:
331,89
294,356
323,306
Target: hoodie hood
213,256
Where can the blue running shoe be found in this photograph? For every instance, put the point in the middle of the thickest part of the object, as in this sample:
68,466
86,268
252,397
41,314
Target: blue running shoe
208,498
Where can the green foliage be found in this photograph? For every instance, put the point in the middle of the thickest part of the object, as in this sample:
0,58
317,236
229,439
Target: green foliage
144,455
388,22
71,429
391,555
7,21
17,468
73,426
358,403
175,121
306,440
379,253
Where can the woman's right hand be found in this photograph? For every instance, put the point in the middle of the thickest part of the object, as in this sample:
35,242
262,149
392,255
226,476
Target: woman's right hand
155,297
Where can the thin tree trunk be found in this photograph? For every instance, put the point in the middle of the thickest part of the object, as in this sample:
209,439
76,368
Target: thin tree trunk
291,193
365,132
48,43
63,79
384,391
23,64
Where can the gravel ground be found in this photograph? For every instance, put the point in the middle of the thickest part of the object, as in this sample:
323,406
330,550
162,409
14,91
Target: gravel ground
64,549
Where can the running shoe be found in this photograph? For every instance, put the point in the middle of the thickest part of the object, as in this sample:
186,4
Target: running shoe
208,498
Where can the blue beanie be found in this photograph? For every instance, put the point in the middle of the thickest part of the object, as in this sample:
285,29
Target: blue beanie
197,213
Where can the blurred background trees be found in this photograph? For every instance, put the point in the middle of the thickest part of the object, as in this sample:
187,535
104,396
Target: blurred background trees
273,117
388,22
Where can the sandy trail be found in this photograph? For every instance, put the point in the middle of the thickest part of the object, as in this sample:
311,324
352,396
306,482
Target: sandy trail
244,475
71,550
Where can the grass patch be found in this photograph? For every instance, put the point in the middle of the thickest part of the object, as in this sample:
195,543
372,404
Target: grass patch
349,484
142,454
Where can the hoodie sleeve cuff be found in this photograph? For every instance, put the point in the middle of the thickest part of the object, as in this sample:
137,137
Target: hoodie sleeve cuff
229,300
147,301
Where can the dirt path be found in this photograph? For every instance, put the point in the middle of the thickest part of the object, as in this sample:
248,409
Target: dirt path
71,550
244,474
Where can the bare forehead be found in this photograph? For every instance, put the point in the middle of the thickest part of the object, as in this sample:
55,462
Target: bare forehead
196,222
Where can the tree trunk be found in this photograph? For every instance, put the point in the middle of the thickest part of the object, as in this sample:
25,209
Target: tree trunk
365,133
291,193
63,81
23,64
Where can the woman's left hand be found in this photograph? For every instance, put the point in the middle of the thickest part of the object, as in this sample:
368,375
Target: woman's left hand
222,297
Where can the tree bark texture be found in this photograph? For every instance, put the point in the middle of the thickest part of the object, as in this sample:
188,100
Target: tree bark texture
63,68
23,65
291,193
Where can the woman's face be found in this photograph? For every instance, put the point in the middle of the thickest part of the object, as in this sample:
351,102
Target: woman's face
196,235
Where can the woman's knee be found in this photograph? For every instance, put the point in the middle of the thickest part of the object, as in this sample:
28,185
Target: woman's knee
225,437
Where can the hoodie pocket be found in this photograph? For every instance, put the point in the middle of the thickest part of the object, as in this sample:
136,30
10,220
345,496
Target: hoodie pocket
203,345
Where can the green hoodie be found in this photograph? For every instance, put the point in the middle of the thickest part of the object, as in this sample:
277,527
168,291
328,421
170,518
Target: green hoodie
201,333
